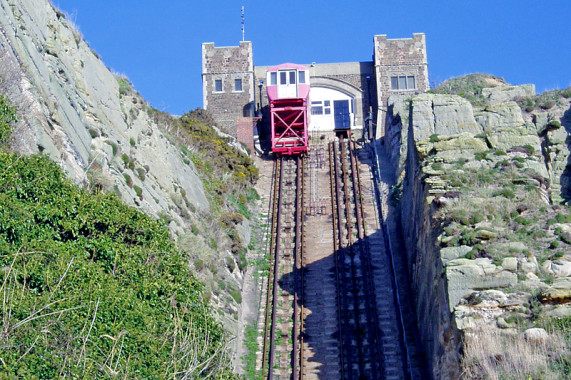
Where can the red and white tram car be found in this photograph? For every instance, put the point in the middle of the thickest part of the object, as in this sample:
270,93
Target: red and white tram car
288,94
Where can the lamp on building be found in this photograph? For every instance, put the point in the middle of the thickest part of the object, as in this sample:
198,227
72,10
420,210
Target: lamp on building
369,119
368,77
260,85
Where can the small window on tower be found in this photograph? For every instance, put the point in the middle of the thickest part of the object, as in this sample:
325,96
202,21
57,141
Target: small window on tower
273,78
394,83
218,85
410,85
302,77
238,85
283,77
402,83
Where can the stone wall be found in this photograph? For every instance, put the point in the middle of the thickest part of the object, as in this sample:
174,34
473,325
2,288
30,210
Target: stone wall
394,58
228,64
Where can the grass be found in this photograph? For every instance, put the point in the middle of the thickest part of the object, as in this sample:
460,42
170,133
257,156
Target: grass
545,100
469,87
491,355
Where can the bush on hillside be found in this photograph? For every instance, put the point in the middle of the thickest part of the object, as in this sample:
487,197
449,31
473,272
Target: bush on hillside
93,288
7,119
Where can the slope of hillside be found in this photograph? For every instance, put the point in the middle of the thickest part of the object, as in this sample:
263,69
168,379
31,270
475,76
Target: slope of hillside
106,137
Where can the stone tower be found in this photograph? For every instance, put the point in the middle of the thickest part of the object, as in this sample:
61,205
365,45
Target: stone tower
228,83
401,68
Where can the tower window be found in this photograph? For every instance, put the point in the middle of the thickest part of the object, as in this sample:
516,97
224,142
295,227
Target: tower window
218,85
238,85
403,83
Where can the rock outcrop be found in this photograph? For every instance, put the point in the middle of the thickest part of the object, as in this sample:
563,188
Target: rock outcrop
474,179
72,108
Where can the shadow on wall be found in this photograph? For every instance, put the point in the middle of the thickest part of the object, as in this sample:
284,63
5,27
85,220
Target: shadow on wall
565,179
247,110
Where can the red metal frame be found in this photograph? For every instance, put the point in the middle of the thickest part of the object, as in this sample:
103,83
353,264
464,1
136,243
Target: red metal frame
289,125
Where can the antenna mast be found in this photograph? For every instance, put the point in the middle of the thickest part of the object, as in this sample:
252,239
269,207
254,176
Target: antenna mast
243,23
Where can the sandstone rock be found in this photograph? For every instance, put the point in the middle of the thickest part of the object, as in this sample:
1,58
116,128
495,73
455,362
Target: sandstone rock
485,235
500,117
561,268
557,136
442,115
540,120
502,324
451,253
503,94
559,311
510,264
495,295
466,275
528,265
244,231
535,335
464,142
558,292
531,276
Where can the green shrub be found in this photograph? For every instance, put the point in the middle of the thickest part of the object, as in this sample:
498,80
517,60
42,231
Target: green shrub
141,173
7,119
93,133
138,191
506,193
128,179
125,159
94,279
481,156
434,138
236,295
132,142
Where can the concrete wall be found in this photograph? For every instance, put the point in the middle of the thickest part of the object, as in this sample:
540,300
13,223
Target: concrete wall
394,58
227,64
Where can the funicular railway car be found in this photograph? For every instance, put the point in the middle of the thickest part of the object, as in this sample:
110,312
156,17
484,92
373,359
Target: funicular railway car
288,96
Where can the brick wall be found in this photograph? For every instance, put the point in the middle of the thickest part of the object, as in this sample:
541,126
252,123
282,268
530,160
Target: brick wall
398,57
245,132
228,64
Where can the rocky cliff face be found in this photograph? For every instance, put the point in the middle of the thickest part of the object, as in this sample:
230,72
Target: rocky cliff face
99,129
483,224
72,108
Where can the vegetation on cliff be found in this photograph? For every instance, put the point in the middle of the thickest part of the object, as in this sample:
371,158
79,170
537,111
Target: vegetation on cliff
92,287
469,87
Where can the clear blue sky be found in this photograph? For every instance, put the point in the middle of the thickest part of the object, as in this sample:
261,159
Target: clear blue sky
157,44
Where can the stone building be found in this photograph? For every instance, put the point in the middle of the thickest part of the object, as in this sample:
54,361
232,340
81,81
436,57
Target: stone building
234,89
228,83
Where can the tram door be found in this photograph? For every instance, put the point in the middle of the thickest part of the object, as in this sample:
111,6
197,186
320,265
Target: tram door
341,113
287,87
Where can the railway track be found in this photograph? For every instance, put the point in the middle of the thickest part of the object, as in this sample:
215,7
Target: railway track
282,334
333,308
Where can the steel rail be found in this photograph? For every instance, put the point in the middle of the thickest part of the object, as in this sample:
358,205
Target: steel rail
351,247
300,264
274,203
366,266
340,259
336,247
275,279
